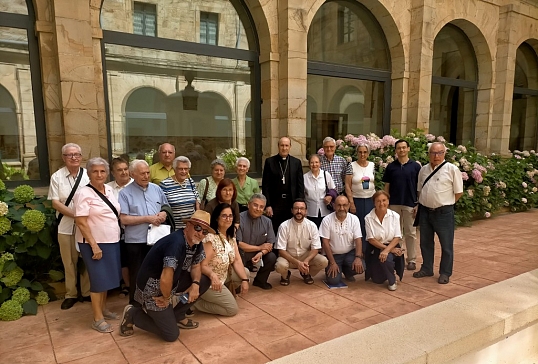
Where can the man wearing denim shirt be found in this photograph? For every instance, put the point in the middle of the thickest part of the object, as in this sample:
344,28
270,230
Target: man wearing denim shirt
141,204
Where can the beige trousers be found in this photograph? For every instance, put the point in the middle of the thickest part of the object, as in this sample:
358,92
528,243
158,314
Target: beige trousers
318,263
220,303
69,254
409,232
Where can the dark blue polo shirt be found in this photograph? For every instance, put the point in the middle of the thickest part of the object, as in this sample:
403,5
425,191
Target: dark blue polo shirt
403,182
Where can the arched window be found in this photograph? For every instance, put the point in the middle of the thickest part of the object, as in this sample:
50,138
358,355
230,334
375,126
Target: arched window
454,86
194,68
524,125
348,74
23,148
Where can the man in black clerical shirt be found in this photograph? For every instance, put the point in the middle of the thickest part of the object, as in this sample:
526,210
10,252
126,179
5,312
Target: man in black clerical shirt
282,183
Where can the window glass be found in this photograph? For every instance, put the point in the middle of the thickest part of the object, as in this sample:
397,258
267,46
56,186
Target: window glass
14,6
360,40
200,104
18,139
340,106
179,20
453,55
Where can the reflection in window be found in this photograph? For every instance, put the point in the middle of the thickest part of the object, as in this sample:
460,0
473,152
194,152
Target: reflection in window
453,94
14,6
18,139
145,19
209,28
351,99
524,120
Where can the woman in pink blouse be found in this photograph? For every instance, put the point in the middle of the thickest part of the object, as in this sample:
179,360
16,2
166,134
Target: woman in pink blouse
98,235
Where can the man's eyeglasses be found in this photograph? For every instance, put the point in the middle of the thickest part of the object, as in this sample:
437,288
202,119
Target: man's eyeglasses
437,153
72,155
198,228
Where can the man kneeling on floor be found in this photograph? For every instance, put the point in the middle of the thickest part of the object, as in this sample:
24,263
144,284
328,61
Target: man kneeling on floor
171,266
298,246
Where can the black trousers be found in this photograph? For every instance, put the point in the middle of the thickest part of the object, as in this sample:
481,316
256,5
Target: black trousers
135,254
164,323
269,261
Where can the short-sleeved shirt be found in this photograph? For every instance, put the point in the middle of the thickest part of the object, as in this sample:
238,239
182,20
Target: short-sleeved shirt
403,182
61,184
211,189
181,198
441,188
224,249
338,168
212,205
359,173
158,172
171,251
314,192
137,201
298,238
341,234
101,219
255,231
116,188
244,193
383,231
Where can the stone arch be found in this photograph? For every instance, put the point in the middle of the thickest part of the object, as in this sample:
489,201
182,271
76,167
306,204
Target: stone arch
9,127
264,29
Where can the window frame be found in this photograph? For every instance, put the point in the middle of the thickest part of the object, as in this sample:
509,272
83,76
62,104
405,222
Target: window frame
207,21
22,21
144,13
165,44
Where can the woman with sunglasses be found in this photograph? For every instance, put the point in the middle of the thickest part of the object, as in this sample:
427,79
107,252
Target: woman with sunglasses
222,265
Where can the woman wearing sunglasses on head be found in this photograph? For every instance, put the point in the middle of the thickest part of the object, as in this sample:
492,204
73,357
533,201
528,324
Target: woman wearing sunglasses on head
223,265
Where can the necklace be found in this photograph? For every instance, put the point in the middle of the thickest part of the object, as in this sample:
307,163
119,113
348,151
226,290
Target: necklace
284,171
183,185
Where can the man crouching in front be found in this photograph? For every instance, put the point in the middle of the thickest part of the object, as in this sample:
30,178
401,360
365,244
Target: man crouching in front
171,266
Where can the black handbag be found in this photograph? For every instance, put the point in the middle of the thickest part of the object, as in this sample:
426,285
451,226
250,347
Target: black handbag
56,222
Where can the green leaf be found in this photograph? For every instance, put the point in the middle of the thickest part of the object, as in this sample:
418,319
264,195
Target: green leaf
56,275
30,239
4,294
9,266
11,240
30,307
44,236
36,286
25,283
20,249
43,251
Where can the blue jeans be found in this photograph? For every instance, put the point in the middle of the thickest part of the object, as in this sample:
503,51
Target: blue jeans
344,262
440,222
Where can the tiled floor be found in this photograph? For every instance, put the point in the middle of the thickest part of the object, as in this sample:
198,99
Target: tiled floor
275,323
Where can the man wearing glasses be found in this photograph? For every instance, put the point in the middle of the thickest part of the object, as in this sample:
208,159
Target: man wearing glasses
255,238
141,203
440,185
172,267
163,168
62,184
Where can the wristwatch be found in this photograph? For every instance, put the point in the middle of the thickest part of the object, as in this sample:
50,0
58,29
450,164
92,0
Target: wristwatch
196,282
245,280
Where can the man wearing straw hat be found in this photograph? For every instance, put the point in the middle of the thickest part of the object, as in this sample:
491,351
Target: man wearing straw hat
172,266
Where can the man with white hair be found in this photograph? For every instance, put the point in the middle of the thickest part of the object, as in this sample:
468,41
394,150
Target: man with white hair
440,185
163,168
63,185
337,166
141,203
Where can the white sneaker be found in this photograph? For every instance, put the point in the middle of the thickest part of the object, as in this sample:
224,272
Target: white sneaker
393,287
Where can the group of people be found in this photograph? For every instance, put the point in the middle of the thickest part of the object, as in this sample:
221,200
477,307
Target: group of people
331,218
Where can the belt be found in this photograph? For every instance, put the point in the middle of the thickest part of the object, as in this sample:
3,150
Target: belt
440,208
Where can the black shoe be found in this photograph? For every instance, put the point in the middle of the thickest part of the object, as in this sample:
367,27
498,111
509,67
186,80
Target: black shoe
189,313
285,281
85,299
262,285
68,303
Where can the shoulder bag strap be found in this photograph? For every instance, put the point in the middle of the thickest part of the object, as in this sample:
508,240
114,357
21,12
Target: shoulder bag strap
434,172
325,179
206,188
70,197
105,200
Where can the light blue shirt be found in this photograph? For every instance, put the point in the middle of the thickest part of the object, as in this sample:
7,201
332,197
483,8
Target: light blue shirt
137,201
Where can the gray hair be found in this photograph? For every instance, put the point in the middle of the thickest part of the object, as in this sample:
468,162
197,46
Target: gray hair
363,145
163,144
327,140
258,196
314,156
242,159
181,159
97,161
437,143
134,164
71,145
219,162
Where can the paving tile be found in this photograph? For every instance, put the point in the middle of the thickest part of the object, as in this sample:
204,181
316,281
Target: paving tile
326,332
174,359
372,320
328,302
144,346
111,356
353,314
265,329
283,347
396,309
247,312
83,349
211,328
410,293
432,300
40,353
305,318
473,282
22,333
